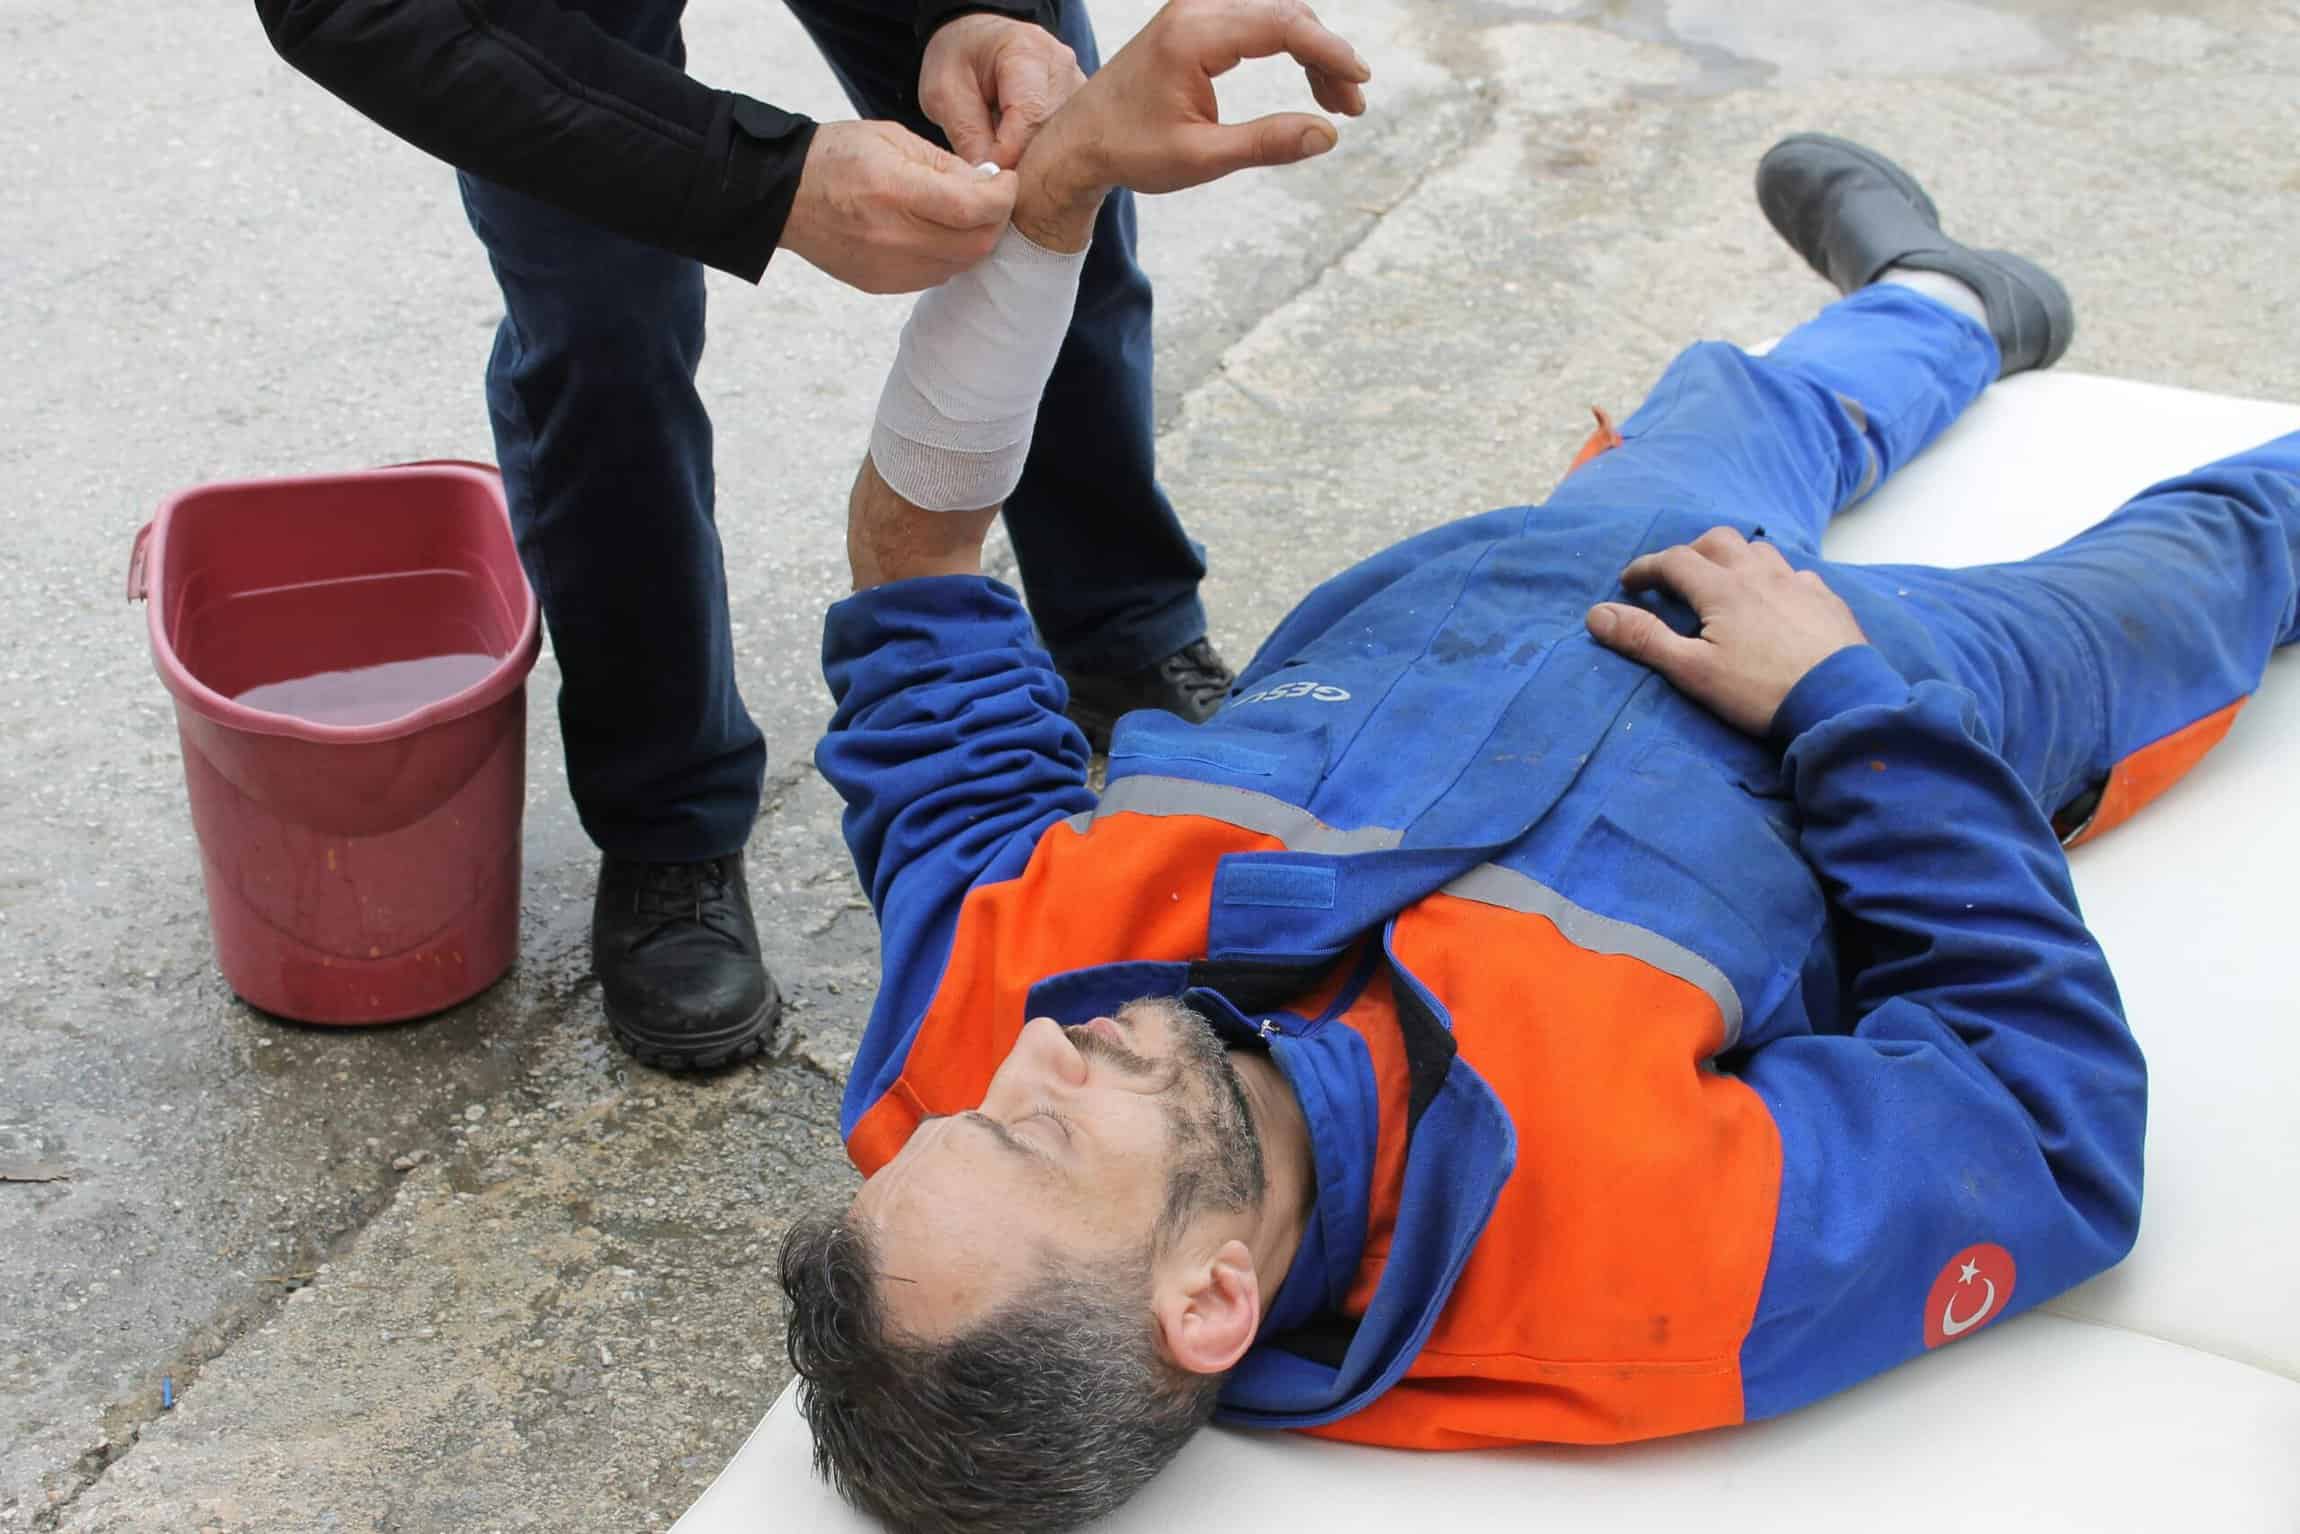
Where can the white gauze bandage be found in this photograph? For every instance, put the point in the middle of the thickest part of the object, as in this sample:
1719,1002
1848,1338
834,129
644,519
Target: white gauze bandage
955,417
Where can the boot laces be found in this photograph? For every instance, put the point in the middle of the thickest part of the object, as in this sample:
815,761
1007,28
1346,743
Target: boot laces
1197,670
689,894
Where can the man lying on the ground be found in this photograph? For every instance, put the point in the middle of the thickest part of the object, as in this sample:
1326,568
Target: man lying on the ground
1607,972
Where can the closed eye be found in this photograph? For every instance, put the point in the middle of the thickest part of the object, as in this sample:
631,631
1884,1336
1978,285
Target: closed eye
1014,1143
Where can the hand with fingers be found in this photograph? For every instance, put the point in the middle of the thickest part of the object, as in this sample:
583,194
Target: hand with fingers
1149,120
883,210
991,82
1764,625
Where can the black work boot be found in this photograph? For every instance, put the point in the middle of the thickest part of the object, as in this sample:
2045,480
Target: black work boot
677,957
1852,213
1191,682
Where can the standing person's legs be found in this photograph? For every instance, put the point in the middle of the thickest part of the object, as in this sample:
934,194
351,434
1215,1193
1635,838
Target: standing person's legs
1110,575
606,455
2107,667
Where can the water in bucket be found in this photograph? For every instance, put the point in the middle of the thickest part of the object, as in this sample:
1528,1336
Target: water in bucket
369,694
347,652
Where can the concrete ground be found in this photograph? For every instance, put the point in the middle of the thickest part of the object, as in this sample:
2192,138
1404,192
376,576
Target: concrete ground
482,1273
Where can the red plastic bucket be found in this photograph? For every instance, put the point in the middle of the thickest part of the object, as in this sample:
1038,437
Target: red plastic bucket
363,871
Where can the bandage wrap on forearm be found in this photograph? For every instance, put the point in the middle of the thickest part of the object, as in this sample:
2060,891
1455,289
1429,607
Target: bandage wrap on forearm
955,417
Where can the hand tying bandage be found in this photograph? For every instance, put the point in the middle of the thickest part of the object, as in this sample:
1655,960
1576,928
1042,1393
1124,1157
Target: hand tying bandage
955,418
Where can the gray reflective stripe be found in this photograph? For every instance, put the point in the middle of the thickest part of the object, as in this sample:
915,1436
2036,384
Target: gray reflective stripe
1860,415
1512,891
1868,475
1300,830
1488,884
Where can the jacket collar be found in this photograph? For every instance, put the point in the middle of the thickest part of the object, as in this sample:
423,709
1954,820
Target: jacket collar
1309,1365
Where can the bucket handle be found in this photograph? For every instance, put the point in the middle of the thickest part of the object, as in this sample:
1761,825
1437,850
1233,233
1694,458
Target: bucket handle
139,585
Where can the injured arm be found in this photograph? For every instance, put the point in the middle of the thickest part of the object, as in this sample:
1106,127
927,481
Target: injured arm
949,743
954,420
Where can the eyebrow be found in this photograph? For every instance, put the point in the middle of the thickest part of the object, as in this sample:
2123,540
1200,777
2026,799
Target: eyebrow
1007,1137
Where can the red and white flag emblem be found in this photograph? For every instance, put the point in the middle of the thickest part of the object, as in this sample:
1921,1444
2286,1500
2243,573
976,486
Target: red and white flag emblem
1972,1291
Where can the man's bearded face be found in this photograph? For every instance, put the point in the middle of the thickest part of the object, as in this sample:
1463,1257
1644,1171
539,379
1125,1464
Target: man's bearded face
1094,1145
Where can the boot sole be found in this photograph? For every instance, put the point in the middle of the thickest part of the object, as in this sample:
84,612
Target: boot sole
2052,293
746,1040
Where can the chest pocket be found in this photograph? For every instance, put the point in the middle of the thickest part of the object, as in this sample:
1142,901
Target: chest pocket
1682,849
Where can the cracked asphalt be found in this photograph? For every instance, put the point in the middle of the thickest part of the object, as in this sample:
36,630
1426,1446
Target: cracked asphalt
482,1273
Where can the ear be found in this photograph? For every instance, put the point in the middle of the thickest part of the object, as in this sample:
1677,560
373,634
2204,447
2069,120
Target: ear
1208,1309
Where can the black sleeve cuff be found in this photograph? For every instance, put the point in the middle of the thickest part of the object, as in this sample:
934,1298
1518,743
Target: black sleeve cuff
933,13
761,150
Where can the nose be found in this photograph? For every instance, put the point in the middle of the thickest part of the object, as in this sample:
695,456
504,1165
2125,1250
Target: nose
1047,1054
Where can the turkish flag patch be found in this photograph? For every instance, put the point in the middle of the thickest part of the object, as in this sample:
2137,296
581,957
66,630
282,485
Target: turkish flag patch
1972,1291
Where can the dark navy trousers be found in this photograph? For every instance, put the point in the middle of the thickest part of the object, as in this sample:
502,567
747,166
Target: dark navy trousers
606,454
2141,633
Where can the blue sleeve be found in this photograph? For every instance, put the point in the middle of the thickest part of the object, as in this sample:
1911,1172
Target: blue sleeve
1989,1093
950,748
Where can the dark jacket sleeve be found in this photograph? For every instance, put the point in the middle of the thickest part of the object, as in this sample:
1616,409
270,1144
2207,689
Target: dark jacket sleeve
933,13
539,99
